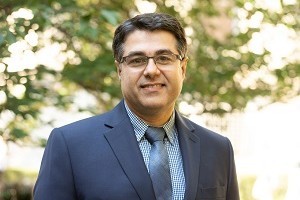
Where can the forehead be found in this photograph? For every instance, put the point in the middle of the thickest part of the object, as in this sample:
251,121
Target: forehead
149,42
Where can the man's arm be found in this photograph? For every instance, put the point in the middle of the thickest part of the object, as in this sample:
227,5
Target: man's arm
55,180
232,187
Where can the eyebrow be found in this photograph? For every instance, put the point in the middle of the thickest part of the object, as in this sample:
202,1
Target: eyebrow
141,53
162,51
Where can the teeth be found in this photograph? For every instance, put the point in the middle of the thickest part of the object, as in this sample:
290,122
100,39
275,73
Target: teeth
152,86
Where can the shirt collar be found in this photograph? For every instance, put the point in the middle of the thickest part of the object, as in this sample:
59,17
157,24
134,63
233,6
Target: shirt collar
141,126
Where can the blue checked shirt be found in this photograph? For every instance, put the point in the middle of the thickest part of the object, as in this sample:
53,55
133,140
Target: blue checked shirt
172,145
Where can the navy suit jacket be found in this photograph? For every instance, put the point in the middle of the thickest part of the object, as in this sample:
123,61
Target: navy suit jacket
99,158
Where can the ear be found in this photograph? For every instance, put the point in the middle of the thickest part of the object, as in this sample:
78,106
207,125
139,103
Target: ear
184,66
119,69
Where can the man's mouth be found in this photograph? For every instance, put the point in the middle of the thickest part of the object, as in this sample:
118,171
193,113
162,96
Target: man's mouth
156,85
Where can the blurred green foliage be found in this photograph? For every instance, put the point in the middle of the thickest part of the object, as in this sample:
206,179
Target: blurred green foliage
220,60
245,186
17,184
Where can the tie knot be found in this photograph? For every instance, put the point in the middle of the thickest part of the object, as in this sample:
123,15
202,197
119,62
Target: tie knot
154,134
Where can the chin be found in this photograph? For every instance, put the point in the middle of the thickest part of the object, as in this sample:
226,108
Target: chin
155,104
152,104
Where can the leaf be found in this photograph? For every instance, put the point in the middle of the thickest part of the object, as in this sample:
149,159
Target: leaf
1,39
11,38
110,16
18,133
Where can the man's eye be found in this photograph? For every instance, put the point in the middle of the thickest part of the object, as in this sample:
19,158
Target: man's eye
137,60
163,59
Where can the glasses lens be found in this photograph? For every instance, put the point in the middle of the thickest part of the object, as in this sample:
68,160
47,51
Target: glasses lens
165,59
136,61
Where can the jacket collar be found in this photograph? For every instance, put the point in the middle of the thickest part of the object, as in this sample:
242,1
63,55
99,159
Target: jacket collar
123,142
190,150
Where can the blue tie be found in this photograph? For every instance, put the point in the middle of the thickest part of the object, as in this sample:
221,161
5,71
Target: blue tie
159,164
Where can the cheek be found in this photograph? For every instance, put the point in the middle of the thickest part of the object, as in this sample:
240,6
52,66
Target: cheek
179,82
179,77
125,82
128,80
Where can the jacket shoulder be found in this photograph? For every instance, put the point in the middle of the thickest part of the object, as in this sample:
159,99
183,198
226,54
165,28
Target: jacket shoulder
205,134
95,124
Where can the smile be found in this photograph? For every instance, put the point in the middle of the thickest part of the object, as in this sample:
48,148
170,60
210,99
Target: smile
152,85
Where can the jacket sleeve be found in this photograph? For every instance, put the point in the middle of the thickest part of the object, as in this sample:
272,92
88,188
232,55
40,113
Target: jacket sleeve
55,179
232,187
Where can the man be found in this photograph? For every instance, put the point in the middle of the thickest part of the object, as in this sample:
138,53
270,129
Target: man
111,156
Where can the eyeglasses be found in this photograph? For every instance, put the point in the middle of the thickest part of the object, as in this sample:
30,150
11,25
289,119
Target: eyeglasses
138,61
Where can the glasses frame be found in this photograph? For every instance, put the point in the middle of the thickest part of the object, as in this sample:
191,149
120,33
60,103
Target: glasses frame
179,57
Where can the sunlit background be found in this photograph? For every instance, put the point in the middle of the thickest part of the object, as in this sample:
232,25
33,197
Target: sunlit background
57,67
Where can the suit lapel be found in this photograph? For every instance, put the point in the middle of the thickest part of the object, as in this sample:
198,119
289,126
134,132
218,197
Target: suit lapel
125,147
190,150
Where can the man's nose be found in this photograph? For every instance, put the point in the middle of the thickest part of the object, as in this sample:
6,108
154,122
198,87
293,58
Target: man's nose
151,69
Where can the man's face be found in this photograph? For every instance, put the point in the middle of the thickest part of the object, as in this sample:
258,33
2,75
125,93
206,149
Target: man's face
151,90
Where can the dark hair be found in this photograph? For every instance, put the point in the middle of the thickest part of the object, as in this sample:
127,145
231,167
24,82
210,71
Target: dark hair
149,22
